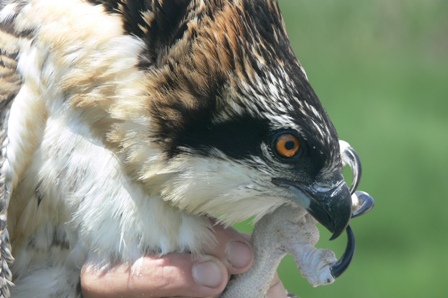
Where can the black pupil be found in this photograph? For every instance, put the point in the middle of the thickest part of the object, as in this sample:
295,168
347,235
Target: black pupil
289,145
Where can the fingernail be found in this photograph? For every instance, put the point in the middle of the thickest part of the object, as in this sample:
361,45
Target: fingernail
238,254
207,274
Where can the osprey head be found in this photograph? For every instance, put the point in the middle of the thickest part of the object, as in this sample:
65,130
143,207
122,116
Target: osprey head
238,129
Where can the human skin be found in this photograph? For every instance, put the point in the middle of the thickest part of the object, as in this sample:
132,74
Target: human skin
179,274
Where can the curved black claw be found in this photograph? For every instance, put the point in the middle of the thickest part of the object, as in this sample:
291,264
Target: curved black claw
350,157
365,203
343,263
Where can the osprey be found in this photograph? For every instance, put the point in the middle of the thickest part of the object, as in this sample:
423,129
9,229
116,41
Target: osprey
125,124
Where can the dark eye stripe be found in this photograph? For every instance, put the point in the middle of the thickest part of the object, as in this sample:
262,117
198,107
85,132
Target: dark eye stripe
238,138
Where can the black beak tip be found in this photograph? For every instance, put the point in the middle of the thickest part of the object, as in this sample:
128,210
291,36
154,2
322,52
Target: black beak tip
338,231
335,235
335,223
341,215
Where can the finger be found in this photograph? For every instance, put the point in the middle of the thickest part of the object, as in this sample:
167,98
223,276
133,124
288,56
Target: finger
233,248
277,290
166,276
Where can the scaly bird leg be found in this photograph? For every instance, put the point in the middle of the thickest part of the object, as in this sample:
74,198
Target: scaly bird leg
286,230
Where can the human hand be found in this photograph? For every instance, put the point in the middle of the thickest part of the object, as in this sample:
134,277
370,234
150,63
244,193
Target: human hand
179,274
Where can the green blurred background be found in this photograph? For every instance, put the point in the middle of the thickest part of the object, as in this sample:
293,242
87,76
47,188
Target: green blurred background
380,68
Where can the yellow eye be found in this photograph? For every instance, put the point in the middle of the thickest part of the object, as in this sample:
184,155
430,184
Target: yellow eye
287,145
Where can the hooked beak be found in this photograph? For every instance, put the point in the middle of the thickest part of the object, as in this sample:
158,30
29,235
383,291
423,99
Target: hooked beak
334,203
332,207
330,204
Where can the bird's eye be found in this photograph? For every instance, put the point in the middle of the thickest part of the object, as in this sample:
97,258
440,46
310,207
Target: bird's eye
287,145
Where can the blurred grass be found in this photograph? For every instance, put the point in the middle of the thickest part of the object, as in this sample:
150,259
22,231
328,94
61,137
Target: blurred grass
380,67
